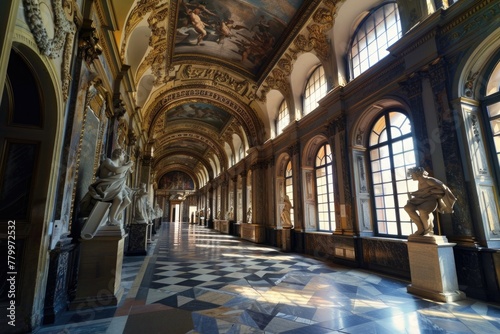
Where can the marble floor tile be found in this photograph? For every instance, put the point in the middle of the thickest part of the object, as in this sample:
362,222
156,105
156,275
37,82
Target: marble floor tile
195,280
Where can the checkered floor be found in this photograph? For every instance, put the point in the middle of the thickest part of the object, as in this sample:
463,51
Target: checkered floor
195,280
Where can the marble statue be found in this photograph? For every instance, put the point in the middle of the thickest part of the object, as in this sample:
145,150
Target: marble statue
230,214
249,215
141,205
285,213
111,186
158,211
432,194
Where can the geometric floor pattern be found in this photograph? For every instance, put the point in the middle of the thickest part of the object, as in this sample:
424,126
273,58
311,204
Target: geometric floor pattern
196,280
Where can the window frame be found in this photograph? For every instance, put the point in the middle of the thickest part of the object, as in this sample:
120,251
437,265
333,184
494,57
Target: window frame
398,207
330,203
288,176
282,114
307,107
362,25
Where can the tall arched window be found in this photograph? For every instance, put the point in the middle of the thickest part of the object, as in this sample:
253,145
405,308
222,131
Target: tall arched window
491,106
324,189
378,30
289,186
283,118
391,152
315,89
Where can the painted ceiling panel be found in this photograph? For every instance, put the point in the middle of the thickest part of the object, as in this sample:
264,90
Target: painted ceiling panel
235,31
201,112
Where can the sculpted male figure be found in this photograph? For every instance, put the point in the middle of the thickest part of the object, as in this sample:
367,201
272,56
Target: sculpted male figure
432,194
141,205
285,213
111,184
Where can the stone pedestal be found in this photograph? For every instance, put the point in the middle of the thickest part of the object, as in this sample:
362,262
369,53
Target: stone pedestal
137,239
286,240
253,232
432,267
149,233
100,269
56,295
221,226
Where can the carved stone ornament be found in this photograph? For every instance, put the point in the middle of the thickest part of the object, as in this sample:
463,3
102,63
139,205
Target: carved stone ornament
88,45
64,33
119,108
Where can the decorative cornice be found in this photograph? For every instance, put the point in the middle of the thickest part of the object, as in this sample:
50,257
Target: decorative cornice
242,87
461,26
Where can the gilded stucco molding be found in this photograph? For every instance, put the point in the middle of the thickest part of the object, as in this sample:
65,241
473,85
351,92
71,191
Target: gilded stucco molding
156,56
461,26
142,8
241,112
64,33
242,87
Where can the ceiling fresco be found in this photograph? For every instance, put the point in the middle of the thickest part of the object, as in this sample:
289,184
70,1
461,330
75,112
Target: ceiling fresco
197,77
235,31
203,112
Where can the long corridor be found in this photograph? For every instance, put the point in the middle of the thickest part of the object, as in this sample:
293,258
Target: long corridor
196,280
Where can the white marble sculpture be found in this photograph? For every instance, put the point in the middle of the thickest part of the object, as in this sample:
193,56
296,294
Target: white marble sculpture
285,213
141,205
230,214
111,186
432,194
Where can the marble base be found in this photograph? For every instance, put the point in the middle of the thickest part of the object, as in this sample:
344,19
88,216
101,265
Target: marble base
137,239
286,240
221,226
149,233
253,232
100,271
432,266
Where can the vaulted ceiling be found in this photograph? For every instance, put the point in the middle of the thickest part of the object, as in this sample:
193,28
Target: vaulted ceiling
200,69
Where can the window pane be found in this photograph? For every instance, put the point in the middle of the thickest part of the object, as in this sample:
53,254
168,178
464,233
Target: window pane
324,189
389,164
379,30
315,90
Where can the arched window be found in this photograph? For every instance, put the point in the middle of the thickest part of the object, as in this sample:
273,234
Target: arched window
324,189
315,89
391,152
289,186
283,118
378,30
491,106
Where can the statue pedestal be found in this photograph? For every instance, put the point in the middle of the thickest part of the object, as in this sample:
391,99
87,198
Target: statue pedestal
432,267
221,226
100,269
137,239
149,233
286,240
253,232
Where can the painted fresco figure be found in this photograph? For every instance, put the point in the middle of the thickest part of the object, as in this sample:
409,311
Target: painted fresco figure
432,194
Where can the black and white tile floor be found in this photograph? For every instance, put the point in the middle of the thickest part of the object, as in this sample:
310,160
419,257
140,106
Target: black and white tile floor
196,280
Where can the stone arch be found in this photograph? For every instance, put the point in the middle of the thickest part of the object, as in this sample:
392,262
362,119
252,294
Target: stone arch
38,148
